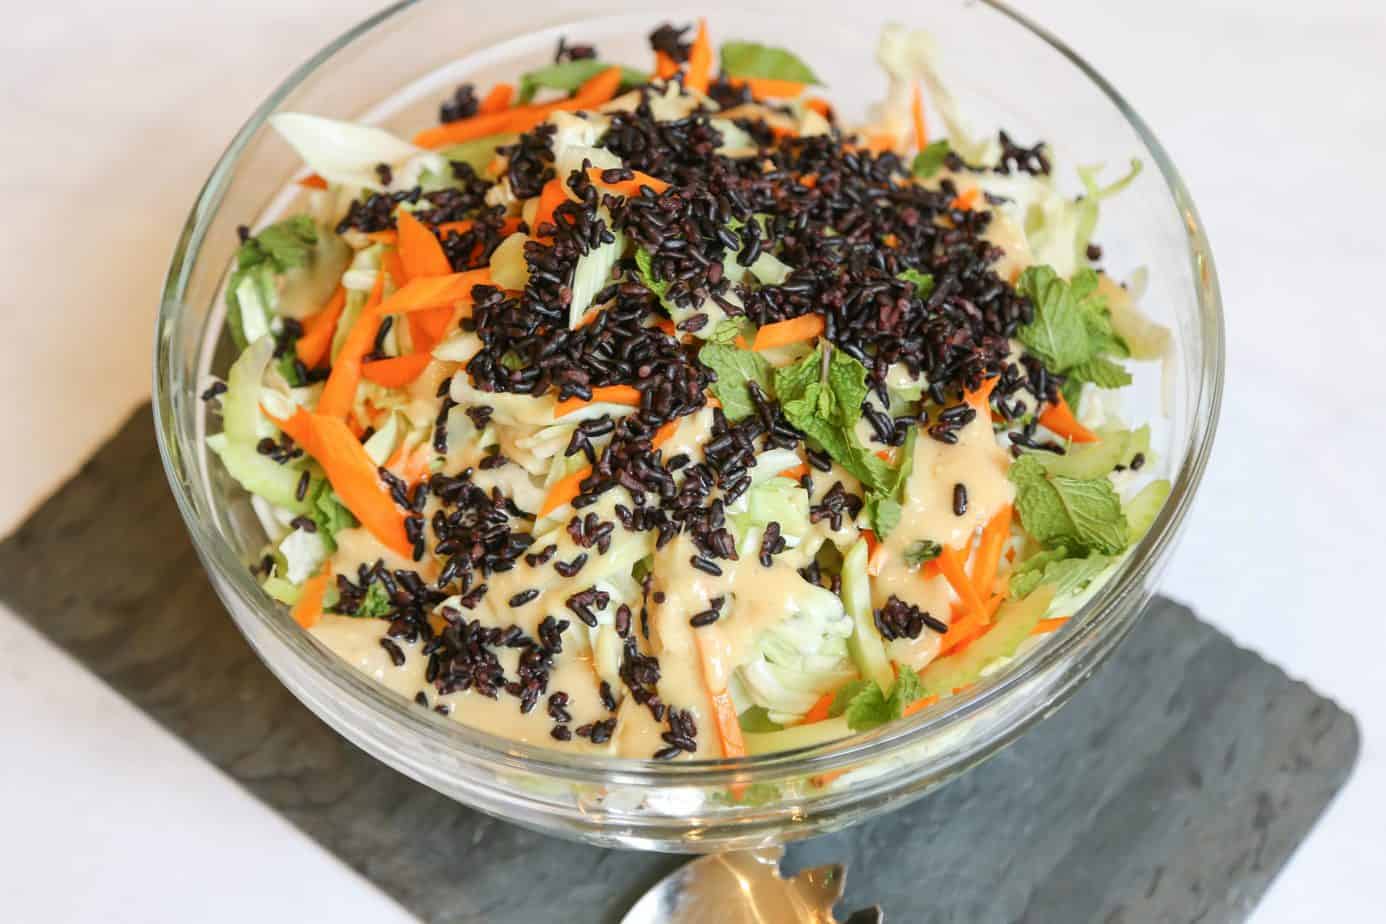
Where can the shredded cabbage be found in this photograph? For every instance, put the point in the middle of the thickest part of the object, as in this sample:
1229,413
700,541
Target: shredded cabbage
343,152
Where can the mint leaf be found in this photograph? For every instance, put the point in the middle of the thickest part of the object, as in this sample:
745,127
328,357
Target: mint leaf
908,688
920,551
1083,514
757,720
883,506
930,160
749,59
727,331
644,269
286,244
868,709
1055,567
376,604
1102,372
570,75
923,282
735,368
883,513
1062,334
866,706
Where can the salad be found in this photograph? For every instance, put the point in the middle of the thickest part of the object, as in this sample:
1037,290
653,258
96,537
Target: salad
653,410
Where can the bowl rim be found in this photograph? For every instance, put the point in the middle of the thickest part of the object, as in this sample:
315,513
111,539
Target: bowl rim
1095,617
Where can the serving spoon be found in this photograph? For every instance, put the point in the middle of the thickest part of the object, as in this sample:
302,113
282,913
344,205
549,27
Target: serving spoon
746,888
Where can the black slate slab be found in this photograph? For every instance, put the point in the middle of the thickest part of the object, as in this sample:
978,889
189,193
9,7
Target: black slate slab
1172,788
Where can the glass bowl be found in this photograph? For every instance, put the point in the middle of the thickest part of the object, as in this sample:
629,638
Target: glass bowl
1025,81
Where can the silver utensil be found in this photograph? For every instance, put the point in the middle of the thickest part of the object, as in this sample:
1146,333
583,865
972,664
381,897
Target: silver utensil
746,888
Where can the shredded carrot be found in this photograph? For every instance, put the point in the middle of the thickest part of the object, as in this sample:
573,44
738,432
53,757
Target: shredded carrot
820,106
966,200
628,188
398,371
564,490
313,181
950,563
885,455
299,426
980,398
429,327
699,61
318,330
1059,418
356,480
666,325
435,291
820,710
770,88
498,100
795,330
988,558
569,486
550,198
308,610
1045,626
879,142
593,93
339,393
665,66
602,394
919,705
393,267
966,628
809,180
412,466
921,135
419,249
795,473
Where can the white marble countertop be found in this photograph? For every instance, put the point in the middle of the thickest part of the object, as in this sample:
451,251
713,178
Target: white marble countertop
113,115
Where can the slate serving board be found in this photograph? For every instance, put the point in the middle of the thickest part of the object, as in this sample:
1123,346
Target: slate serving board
1172,788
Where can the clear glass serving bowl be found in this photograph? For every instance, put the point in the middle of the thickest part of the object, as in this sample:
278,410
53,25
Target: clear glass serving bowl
392,70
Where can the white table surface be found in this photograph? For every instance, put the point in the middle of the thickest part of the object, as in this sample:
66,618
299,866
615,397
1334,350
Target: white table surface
113,114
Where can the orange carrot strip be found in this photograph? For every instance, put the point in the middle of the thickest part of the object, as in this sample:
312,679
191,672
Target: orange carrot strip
966,200
666,325
340,391
1059,418
820,106
598,90
665,66
356,480
313,181
795,473
318,330
397,371
770,88
950,563
435,291
550,198
299,426
308,610
966,627
498,100
994,536
604,394
419,250
795,330
981,398
429,327
820,710
921,135
919,705
393,266
699,72
628,188
878,142
1045,626
568,487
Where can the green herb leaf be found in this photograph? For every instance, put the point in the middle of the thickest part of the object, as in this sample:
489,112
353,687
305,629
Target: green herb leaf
1069,318
644,269
920,551
280,247
749,59
1054,567
328,512
1102,372
929,161
570,75
866,706
376,605
735,368
883,506
923,282
1083,514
